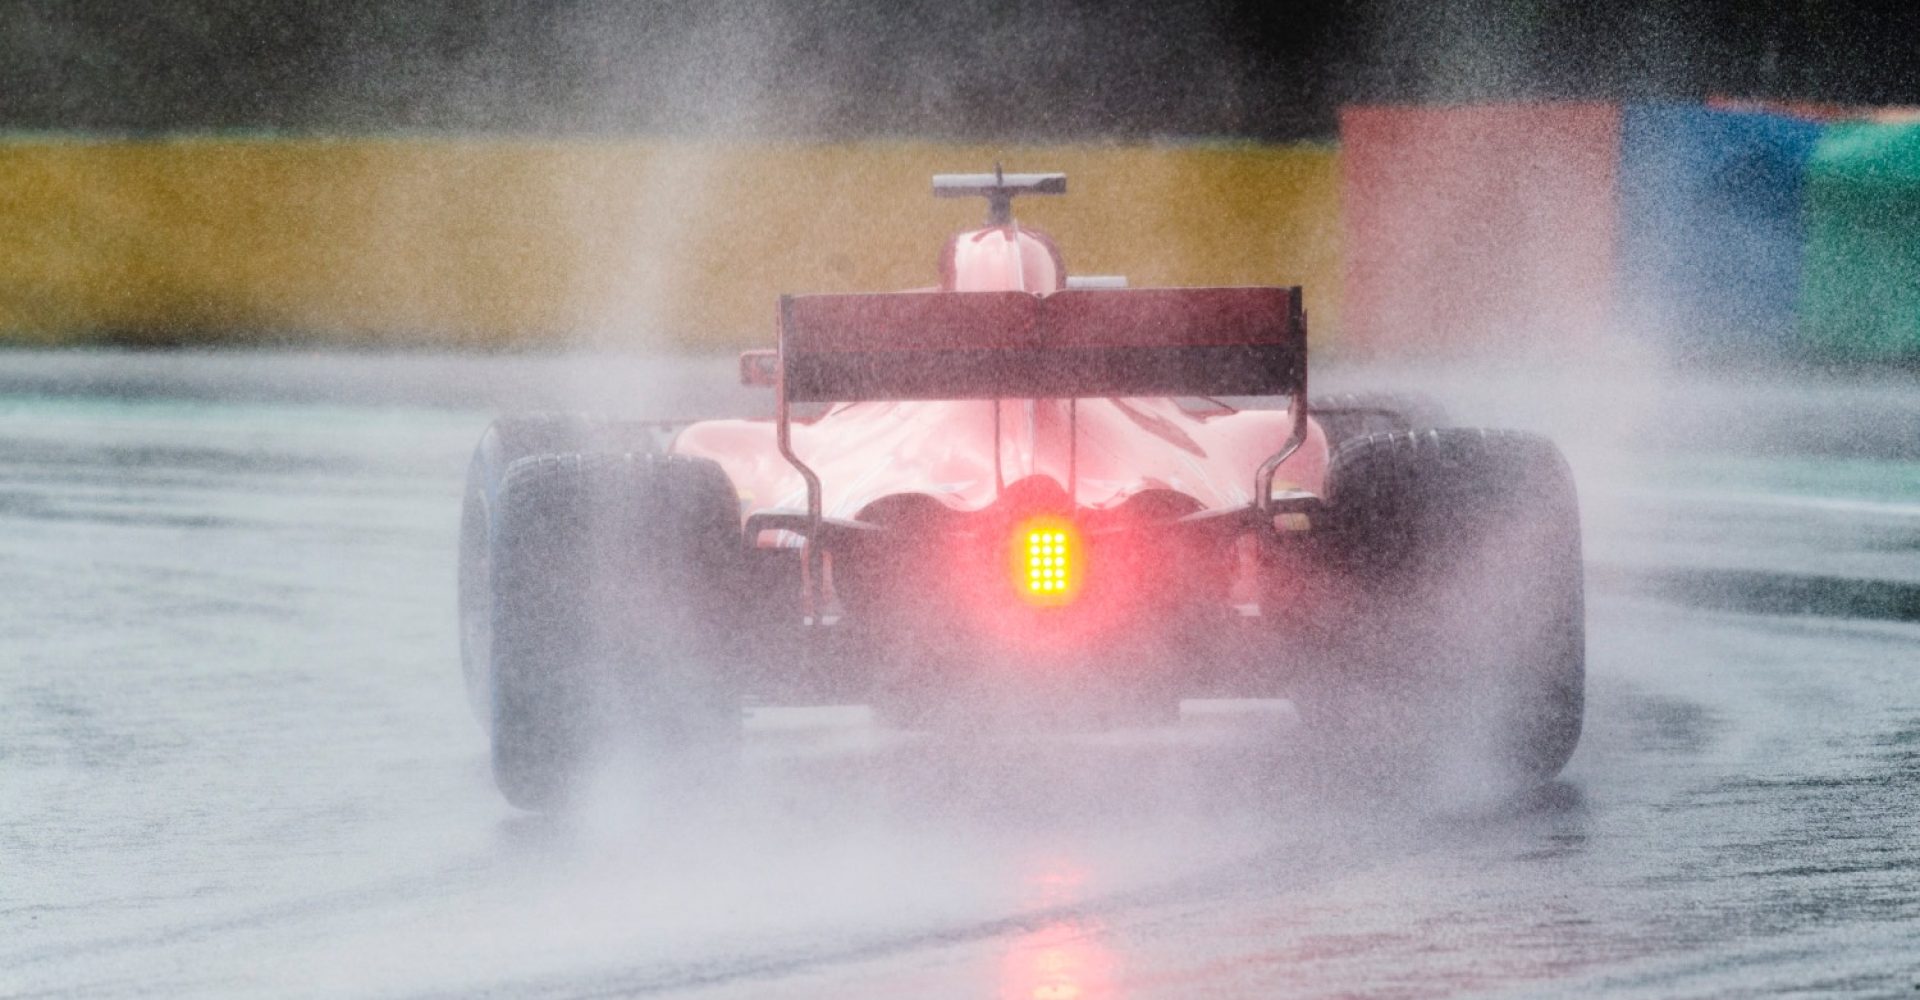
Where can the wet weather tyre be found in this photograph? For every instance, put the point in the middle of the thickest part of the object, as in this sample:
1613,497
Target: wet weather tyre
507,440
1459,552
613,581
1350,415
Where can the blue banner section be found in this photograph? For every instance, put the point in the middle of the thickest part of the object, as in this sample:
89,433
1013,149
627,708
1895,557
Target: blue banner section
1711,228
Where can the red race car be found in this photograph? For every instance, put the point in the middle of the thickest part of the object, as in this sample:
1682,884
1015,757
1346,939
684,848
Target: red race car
1022,498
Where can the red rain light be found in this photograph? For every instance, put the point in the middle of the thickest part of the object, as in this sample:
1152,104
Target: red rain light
1047,561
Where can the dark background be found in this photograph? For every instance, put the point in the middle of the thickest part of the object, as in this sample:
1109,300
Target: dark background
919,68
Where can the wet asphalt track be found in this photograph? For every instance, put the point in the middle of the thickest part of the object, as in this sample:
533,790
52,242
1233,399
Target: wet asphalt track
235,758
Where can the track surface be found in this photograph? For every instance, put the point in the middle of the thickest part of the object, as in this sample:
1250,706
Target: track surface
235,758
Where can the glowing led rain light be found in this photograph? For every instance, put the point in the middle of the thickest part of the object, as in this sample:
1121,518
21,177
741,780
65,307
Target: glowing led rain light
1047,561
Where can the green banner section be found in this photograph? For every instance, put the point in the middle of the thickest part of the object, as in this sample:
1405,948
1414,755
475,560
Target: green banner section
1860,297
650,244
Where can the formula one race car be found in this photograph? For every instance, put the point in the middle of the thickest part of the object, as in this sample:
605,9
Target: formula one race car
1022,499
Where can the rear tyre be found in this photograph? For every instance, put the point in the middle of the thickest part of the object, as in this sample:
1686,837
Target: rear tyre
504,442
1348,415
613,581
1457,557
507,440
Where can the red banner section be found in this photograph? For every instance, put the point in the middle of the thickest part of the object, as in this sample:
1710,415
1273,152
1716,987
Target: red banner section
1469,228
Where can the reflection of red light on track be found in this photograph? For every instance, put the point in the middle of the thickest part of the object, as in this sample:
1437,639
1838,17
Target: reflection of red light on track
1061,961
1047,562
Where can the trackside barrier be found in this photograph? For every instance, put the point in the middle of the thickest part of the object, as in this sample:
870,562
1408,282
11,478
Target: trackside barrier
1860,300
1711,228
1478,227
1550,227
628,243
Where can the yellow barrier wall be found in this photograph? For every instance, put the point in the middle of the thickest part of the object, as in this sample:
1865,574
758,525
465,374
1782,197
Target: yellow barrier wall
638,243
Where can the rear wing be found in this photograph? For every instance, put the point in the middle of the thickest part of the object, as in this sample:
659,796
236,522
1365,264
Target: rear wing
1074,343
